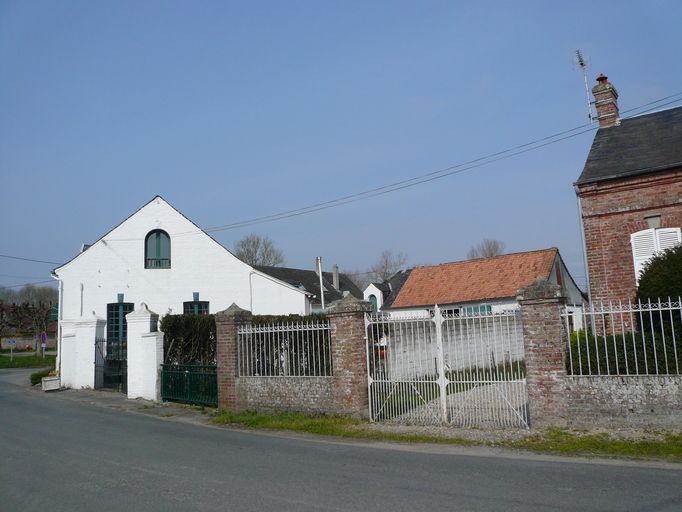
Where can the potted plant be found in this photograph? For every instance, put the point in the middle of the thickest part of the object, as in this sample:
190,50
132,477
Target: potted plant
52,382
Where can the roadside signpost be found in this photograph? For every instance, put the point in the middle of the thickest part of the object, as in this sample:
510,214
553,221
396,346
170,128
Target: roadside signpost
43,342
12,344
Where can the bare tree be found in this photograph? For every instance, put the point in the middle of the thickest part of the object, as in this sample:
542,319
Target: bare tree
31,308
388,264
487,248
360,279
256,250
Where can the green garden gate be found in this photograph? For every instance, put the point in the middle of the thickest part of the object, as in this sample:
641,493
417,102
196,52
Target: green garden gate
190,384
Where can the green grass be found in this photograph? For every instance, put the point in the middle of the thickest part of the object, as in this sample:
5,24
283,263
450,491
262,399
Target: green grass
26,361
552,441
338,426
566,442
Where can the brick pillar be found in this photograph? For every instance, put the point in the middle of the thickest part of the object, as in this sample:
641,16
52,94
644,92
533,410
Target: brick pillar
227,323
543,340
349,360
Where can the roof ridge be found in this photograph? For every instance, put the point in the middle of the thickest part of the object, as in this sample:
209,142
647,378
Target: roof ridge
459,262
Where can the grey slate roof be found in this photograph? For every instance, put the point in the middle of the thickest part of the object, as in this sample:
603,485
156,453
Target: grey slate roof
395,283
639,145
310,282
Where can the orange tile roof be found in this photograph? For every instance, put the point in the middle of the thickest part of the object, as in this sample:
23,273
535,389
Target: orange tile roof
475,280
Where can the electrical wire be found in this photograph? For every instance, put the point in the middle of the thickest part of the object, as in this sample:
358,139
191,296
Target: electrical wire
414,181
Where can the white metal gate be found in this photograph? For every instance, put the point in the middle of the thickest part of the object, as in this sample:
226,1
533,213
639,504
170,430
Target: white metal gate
447,367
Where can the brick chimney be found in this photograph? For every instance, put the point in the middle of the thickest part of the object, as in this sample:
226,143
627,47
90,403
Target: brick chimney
606,102
335,277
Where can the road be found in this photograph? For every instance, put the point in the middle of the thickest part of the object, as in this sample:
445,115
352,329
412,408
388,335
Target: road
61,455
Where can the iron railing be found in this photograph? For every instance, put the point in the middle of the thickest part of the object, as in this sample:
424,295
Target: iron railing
290,349
157,263
190,384
641,338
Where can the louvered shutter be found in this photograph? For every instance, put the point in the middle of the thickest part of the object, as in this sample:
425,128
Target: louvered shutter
643,248
667,238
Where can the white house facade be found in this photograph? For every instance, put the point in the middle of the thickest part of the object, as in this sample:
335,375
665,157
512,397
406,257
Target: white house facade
159,257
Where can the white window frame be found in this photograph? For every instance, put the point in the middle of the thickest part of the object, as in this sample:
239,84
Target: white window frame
649,242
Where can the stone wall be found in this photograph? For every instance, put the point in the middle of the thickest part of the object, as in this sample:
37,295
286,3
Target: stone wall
344,393
299,394
654,401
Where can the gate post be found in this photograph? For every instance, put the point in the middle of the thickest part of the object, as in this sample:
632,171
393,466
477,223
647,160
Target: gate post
145,353
543,341
227,323
348,339
440,361
82,349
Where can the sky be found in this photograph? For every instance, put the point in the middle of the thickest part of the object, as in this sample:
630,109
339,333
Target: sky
232,111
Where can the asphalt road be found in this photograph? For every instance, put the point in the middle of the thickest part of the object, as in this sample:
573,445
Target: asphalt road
61,455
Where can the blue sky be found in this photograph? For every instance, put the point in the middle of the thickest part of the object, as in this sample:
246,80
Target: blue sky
233,111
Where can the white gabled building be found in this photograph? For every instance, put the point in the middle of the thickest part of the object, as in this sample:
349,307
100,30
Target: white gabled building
159,257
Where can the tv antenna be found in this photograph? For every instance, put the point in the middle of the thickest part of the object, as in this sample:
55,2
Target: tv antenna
582,64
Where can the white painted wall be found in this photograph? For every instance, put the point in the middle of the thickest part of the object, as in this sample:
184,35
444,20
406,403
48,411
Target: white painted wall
373,290
115,264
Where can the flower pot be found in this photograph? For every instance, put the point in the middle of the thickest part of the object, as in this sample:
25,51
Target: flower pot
51,383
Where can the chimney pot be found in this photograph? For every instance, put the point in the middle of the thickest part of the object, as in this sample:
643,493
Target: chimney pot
335,277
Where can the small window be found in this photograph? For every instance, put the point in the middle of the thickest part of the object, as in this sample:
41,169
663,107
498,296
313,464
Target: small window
157,250
196,307
483,309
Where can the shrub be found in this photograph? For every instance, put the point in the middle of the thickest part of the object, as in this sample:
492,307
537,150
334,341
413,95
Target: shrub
189,339
36,377
627,353
662,276
662,280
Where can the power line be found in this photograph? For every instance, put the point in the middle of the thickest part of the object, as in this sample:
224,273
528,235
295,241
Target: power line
490,158
21,277
26,284
417,180
28,259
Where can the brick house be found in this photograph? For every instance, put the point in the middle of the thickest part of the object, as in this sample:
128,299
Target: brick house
629,194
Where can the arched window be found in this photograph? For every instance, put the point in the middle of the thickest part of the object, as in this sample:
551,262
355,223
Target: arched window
157,250
373,301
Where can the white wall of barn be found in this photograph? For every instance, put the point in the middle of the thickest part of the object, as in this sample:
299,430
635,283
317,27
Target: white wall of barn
115,264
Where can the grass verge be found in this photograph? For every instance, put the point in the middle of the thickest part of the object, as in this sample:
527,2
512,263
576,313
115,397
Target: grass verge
338,426
556,441
26,361
566,442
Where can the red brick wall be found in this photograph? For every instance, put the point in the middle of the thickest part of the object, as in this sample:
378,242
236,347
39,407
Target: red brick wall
611,212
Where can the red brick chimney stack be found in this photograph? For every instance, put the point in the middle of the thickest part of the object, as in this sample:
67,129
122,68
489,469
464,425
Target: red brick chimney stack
606,102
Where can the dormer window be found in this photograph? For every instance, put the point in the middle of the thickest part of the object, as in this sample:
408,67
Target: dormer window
157,250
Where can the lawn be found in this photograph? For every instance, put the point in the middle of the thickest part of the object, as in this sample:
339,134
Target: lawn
26,361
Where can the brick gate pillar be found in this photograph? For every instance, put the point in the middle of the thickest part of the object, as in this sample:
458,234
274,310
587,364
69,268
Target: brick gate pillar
543,340
349,360
227,322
